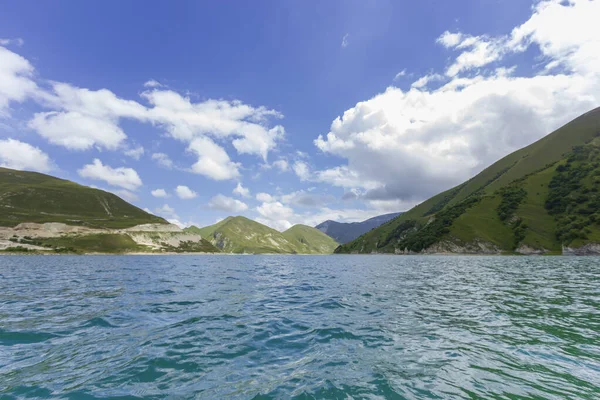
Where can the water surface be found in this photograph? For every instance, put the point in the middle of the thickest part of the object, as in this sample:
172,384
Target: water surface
306,327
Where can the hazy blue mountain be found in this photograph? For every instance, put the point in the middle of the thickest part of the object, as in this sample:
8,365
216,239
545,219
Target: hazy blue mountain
344,232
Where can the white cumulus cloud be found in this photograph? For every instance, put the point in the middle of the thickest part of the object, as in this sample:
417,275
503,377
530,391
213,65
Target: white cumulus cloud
282,165
241,191
264,197
23,156
302,170
135,152
228,204
163,160
152,83
185,193
408,145
81,119
126,178
16,79
159,193
213,161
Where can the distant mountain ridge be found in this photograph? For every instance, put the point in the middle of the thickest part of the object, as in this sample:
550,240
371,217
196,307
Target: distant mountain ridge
541,199
344,232
243,235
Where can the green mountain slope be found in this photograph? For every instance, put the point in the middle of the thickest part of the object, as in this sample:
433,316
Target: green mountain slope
310,240
34,197
242,235
538,199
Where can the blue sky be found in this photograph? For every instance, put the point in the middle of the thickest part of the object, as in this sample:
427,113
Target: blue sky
313,110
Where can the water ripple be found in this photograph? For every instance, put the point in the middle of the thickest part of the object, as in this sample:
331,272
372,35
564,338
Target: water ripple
278,327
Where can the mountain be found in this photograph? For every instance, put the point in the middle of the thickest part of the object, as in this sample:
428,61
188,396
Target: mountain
34,197
310,240
242,235
540,199
41,213
344,232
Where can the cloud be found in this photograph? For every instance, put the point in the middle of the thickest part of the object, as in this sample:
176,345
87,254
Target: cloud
302,170
306,199
278,225
125,194
400,74
281,217
185,193
246,126
345,40
213,162
167,212
159,193
152,84
277,214
126,178
241,191
282,165
177,222
163,160
425,80
135,152
228,204
481,52
16,41
352,194
76,131
84,118
264,197
81,119
407,146
449,40
23,156
16,79
343,176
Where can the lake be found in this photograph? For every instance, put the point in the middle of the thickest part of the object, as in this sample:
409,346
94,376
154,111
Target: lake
306,327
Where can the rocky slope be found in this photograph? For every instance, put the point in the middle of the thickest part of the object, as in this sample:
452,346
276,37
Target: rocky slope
39,212
63,238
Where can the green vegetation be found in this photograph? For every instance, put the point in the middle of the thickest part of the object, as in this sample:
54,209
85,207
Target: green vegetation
16,249
203,246
242,235
573,197
542,197
33,197
512,197
310,240
446,198
95,243
436,227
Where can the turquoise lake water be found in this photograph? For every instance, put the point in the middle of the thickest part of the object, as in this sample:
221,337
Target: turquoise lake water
306,327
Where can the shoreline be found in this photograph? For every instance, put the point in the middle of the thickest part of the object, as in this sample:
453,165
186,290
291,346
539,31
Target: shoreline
49,253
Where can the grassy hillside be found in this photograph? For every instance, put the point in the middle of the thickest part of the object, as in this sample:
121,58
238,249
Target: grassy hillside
310,240
34,197
541,197
242,235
